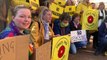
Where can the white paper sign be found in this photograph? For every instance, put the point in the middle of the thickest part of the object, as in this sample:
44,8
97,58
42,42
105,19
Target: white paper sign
78,35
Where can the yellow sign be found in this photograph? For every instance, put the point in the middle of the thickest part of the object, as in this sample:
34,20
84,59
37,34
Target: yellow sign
34,4
60,2
56,10
70,9
60,48
90,20
22,0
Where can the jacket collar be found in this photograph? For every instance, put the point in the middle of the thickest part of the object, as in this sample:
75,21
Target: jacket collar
14,28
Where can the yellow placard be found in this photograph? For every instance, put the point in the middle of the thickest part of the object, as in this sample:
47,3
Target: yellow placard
90,20
22,0
60,2
34,4
56,10
60,48
70,9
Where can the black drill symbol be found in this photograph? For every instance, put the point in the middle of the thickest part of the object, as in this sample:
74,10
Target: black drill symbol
59,2
57,9
69,9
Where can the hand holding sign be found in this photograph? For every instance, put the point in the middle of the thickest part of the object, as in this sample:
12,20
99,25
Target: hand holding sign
78,35
60,2
57,11
70,9
60,48
90,20
34,4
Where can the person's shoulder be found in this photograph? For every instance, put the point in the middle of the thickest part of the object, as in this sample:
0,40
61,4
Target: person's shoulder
5,33
56,21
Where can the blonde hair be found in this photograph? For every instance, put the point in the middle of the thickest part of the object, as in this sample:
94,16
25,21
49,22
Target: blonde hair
42,12
18,7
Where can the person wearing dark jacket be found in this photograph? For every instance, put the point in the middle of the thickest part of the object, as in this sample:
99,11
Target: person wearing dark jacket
102,38
75,25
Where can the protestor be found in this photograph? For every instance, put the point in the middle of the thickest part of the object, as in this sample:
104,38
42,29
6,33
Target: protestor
94,33
81,7
102,13
41,32
75,25
61,25
14,3
93,6
102,38
21,20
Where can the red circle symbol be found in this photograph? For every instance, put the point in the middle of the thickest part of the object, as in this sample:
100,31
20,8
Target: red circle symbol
61,51
90,19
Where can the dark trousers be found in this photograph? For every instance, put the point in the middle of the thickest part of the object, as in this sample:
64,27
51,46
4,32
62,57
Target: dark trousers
95,39
102,47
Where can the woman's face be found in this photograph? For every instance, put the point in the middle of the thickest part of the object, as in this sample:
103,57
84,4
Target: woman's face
77,19
22,18
101,6
48,16
93,6
69,2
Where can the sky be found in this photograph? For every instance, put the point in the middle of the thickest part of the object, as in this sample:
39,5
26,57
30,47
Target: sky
97,1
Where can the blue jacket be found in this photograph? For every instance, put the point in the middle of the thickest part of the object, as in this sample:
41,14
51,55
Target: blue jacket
102,31
10,31
57,28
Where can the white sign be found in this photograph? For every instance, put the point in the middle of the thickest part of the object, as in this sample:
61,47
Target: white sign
78,35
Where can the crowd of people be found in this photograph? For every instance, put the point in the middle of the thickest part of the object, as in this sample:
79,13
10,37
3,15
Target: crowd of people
42,27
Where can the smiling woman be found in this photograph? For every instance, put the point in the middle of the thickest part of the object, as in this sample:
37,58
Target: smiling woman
21,20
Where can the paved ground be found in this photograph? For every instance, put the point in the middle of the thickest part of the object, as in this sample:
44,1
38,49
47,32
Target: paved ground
86,54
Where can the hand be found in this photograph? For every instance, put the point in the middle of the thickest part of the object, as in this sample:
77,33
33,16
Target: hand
71,41
69,34
57,35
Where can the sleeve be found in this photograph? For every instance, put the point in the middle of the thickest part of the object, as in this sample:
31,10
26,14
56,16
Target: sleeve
102,29
56,27
72,26
35,34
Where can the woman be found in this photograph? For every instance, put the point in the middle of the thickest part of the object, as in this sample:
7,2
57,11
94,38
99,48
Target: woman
102,38
41,32
75,25
102,13
61,26
21,20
